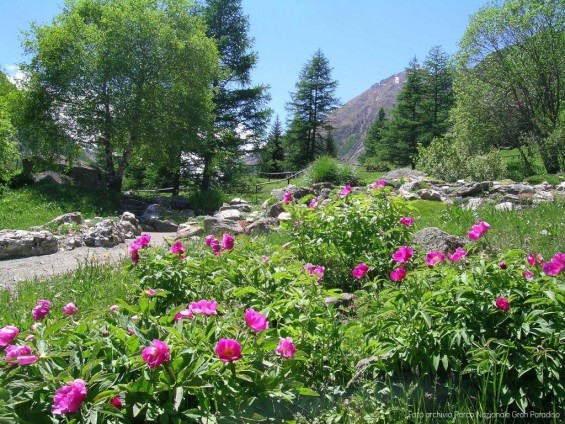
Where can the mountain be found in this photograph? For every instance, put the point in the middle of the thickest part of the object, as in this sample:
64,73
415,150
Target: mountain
352,120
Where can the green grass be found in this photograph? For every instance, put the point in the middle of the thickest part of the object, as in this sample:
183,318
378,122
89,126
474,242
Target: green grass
91,286
539,229
39,203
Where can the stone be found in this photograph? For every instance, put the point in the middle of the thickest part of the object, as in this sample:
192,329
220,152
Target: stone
399,174
317,187
284,216
473,204
542,196
433,238
408,195
505,206
432,195
217,227
238,201
324,193
188,231
411,186
560,187
231,214
300,192
104,234
470,189
51,177
68,218
180,203
517,200
71,243
275,210
129,217
543,186
263,225
130,231
152,211
21,244
242,207
279,192
163,226
344,299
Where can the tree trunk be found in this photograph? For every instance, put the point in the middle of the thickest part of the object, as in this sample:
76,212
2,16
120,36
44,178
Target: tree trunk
206,173
550,161
527,163
176,183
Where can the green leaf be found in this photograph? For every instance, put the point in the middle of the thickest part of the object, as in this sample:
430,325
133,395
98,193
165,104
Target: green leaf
305,391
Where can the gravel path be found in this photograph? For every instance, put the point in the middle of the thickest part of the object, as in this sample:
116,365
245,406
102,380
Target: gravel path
14,270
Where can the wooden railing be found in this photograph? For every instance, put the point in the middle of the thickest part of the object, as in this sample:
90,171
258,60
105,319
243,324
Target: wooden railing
290,176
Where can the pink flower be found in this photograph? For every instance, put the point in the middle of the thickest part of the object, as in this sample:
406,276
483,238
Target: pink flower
209,239
255,320
117,402
531,259
503,265
204,307
360,270
114,308
346,190
35,327
70,309
69,398
265,258
286,348
502,303
402,255
27,360
434,257
42,309
157,354
406,220
552,268
313,203
478,230
138,244
559,258
144,240
379,184
227,242
8,334
29,337
456,256
151,292
178,248
287,197
12,352
315,270
398,274
135,318
228,350
184,314
214,244
528,275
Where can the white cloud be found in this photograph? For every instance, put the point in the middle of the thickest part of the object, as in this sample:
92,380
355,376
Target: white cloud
15,75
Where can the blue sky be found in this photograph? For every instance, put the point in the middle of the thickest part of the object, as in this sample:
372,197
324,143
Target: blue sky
364,40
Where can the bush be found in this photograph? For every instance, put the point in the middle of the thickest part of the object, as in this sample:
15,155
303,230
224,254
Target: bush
553,179
373,164
328,169
206,201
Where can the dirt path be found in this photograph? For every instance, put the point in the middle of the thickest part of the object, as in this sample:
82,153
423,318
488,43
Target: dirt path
14,270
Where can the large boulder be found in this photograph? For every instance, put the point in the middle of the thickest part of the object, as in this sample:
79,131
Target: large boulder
216,226
68,218
470,189
241,207
21,244
104,234
263,225
275,210
433,238
51,177
406,173
129,225
188,230
432,195
411,186
229,214
152,211
162,226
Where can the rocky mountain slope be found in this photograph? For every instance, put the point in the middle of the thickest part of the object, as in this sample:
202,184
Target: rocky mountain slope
352,120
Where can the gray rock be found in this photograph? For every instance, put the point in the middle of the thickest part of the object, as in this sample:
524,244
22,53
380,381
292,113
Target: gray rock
275,210
324,193
317,187
241,207
52,177
152,211
71,243
215,226
517,200
129,217
180,203
433,238
411,186
398,174
300,192
409,196
104,234
238,201
279,192
344,299
21,244
130,231
188,231
163,226
470,189
560,187
263,225
473,204
68,218
505,206
231,214
542,196
284,216
432,195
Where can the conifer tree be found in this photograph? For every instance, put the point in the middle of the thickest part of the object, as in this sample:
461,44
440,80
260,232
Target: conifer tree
273,153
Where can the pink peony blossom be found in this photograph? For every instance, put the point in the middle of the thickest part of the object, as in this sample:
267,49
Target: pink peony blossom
552,268
8,334
531,259
214,244
318,270
255,320
70,309
346,190
27,360
209,239
286,348
502,303
42,309
456,256
287,197
157,354
433,257
313,203
117,402
227,242
265,258
204,307
138,243
178,248
379,184
402,255
360,270
114,308
184,314
398,274
69,398
559,258
503,265
406,220
12,352
528,275
228,350
151,292
478,230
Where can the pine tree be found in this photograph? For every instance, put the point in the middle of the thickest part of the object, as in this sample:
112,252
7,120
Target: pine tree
241,109
373,145
272,157
309,129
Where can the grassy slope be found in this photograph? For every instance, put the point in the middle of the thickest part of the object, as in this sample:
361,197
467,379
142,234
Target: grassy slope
39,203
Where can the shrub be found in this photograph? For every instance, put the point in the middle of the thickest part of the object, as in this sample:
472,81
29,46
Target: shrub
328,169
206,201
553,179
376,165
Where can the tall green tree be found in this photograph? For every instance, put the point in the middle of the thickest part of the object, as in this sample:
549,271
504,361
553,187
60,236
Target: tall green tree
130,77
509,85
309,133
241,108
272,156
8,149
375,134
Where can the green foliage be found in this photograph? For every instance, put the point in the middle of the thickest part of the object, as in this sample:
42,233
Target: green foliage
272,155
309,132
551,179
206,201
347,231
328,169
40,203
9,153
